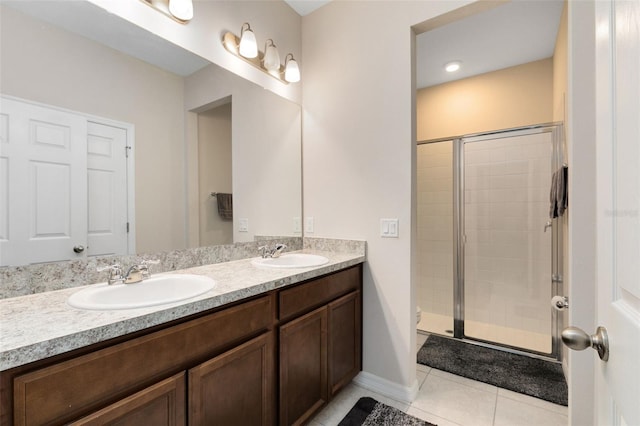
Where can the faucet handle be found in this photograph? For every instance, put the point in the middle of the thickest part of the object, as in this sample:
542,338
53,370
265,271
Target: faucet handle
113,268
115,272
144,266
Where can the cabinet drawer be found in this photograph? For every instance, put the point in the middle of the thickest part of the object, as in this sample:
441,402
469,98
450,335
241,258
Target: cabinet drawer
64,391
302,298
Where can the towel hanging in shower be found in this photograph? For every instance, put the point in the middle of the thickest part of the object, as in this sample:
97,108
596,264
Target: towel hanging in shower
559,196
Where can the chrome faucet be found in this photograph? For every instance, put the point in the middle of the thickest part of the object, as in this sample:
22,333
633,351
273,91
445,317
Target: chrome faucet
274,252
139,272
135,273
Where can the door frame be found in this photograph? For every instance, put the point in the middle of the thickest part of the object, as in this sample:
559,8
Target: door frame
580,278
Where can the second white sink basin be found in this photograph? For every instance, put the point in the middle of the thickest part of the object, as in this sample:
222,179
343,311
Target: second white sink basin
157,290
291,260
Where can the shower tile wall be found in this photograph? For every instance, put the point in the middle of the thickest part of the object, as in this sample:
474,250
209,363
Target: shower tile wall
435,232
507,254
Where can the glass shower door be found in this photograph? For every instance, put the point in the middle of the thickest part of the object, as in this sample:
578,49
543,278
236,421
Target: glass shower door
507,253
435,236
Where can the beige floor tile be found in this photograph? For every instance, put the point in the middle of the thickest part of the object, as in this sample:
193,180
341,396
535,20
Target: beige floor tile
464,381
560,409
456,402
428,417
510,412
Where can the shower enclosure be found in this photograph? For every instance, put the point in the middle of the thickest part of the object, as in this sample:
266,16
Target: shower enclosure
489,255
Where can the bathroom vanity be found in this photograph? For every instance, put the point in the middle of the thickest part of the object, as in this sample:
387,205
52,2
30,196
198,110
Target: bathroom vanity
270,353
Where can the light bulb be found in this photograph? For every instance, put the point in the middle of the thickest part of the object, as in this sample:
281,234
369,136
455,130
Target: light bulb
271,60
291,70
248,44
452,66
181,9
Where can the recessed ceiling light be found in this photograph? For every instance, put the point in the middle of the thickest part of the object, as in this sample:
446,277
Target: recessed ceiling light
452,66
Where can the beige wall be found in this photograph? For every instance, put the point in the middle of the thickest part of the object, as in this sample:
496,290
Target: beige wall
511,97
214,173
203,34
560,70
45,64
266,153
359,148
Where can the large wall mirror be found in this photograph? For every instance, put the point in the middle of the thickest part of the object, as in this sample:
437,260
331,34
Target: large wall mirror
200,132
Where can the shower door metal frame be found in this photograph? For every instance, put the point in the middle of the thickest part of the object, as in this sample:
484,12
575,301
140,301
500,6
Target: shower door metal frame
459,238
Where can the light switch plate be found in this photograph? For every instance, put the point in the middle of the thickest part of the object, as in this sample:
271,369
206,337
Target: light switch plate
243,225
389,228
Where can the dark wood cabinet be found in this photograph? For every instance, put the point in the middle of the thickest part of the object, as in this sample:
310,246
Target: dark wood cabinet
160,405
344,341
303,367
235,388
320,351
276,358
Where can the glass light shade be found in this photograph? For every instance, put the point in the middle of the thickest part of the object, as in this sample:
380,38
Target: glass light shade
452,66
271,58
181,9
248,44
291,70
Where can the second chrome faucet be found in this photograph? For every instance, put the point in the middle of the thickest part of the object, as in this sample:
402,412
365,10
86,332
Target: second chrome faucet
275,251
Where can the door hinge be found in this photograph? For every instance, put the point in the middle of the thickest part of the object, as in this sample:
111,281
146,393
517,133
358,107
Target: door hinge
127,227
126,151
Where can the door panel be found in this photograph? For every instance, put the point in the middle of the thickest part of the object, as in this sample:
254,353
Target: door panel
44,158
107,190
618,209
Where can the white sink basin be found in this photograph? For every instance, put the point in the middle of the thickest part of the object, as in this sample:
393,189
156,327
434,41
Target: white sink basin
157,290
291,260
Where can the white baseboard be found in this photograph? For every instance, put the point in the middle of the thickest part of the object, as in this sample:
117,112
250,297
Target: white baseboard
387,388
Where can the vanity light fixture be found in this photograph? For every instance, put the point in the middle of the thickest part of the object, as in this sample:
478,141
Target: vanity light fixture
268,62
291,69
181,9
452,66
271,61
248,44
178,10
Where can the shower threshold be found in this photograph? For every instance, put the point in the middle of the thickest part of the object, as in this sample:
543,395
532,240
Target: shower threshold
511,337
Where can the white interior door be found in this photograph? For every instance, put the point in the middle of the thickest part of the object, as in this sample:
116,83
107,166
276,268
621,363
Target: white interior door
107,189
618,209
44,183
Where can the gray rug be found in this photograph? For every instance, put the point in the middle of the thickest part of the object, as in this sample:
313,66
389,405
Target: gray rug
530,376
369,412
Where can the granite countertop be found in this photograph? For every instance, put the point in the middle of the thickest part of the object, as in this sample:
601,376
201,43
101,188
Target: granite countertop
41,325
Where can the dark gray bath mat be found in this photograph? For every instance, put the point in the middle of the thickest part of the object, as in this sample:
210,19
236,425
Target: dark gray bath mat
369,412
530,376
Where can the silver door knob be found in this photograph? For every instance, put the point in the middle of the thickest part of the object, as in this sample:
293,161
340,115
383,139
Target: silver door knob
576,339
78,249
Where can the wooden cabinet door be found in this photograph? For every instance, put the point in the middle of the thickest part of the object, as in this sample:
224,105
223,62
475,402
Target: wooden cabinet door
235,388
161,404
303,367
345,344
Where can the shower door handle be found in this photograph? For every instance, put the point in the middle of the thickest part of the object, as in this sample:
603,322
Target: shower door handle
575,338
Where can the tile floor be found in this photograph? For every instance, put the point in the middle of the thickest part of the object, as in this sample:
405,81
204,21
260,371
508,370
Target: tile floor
448,400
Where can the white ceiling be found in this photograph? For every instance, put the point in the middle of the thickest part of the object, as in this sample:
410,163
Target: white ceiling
305,7
511,34
515,33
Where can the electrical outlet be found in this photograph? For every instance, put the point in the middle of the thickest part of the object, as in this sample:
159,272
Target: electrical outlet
243,225
297,225
308,225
